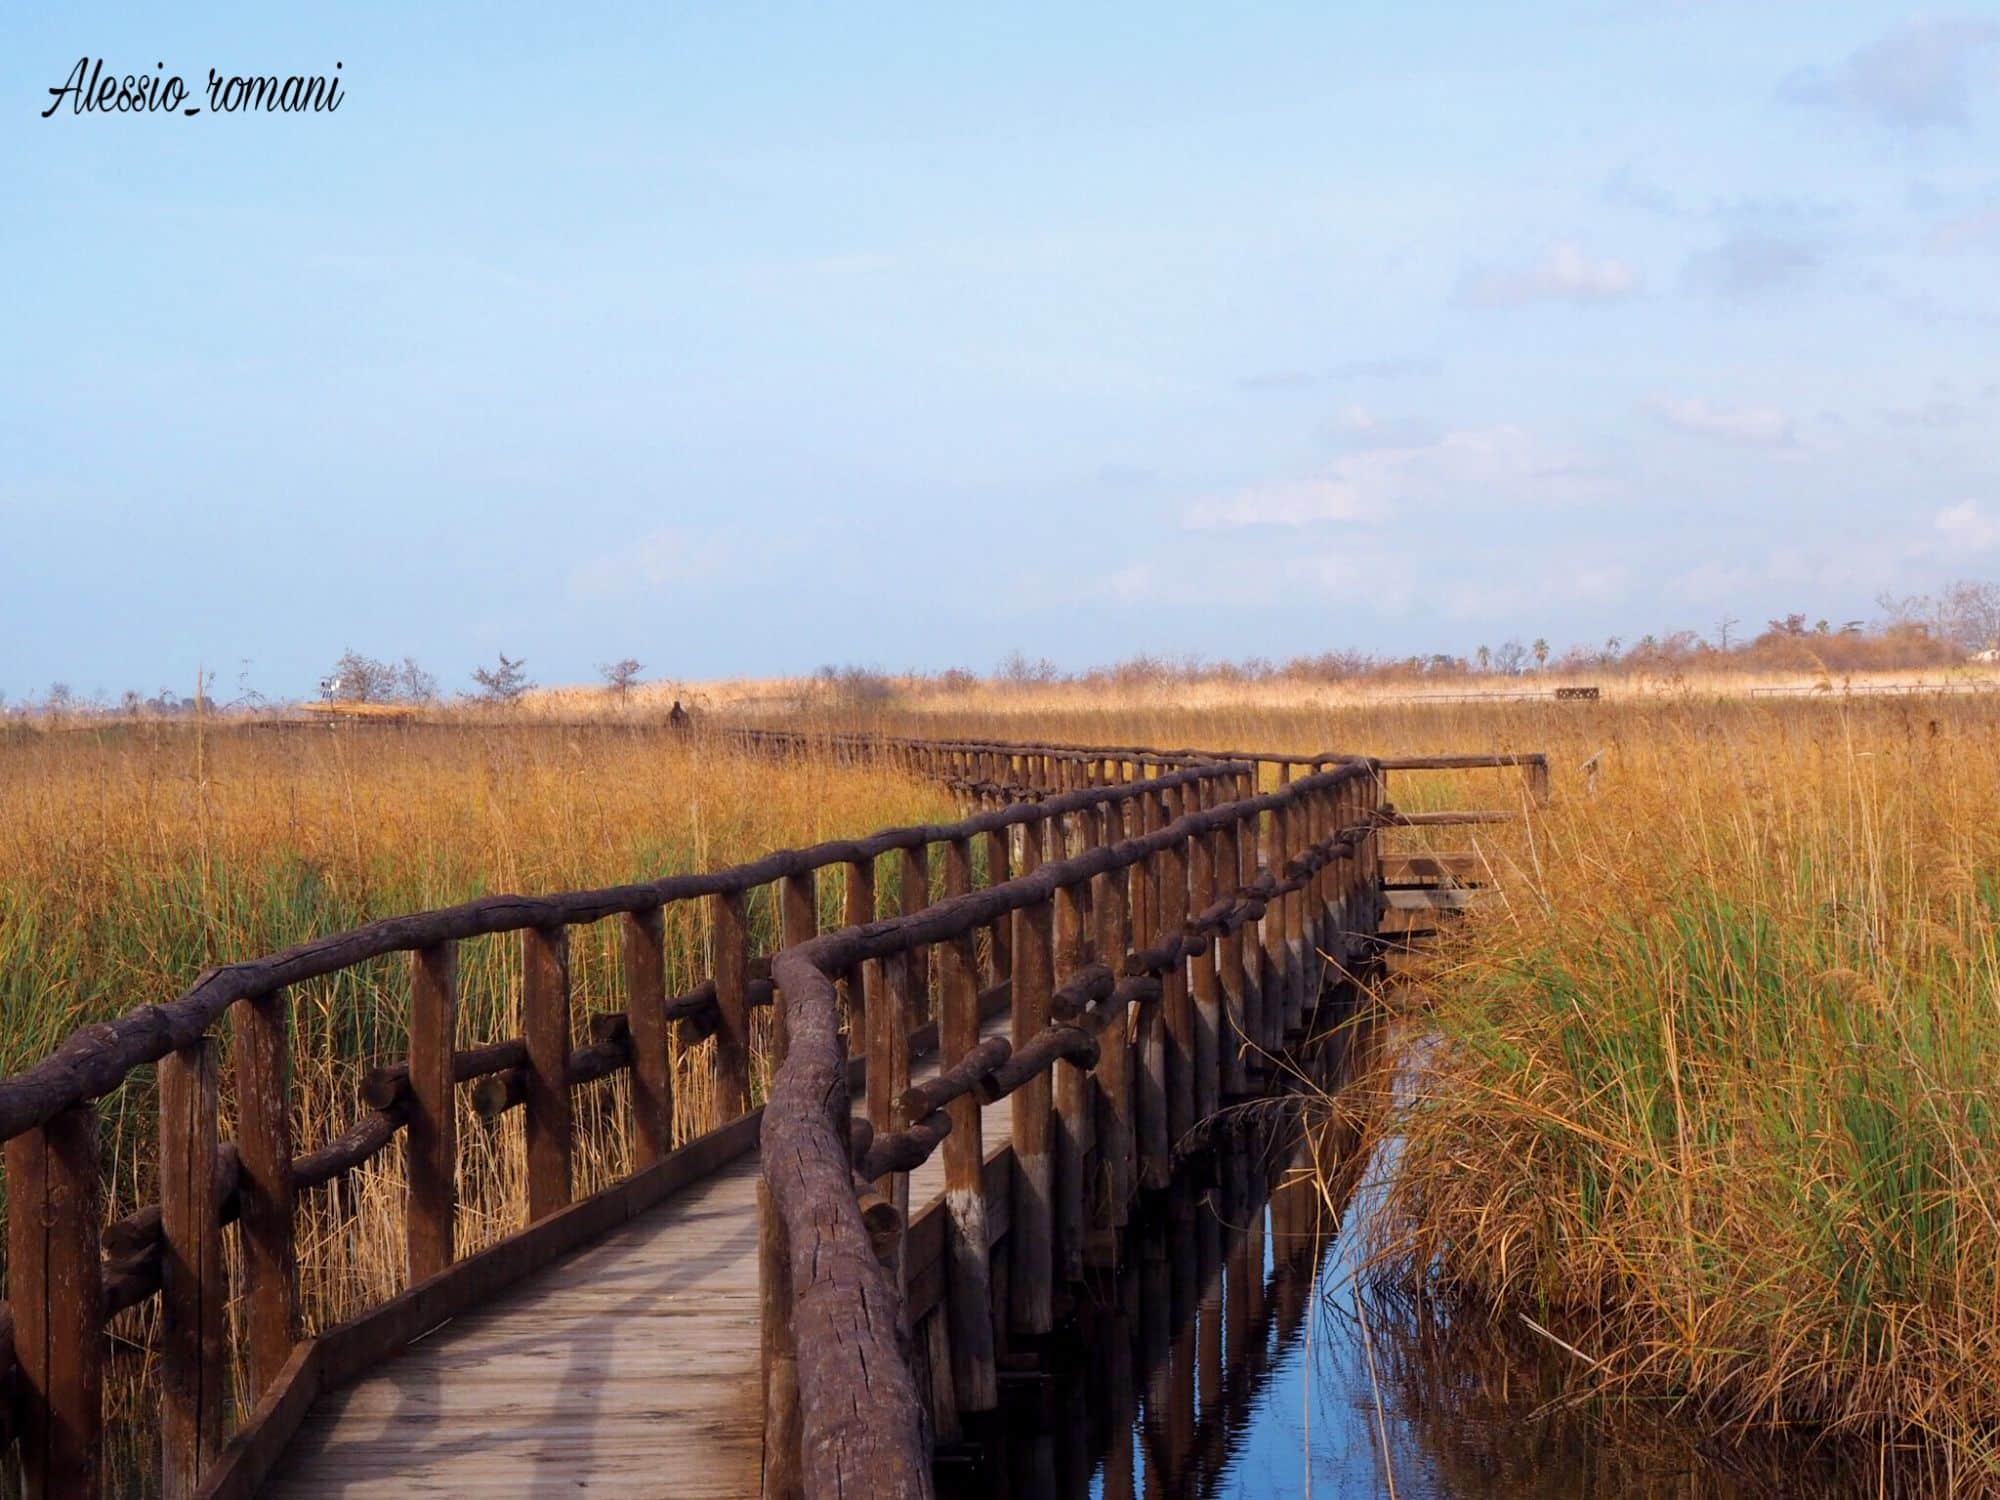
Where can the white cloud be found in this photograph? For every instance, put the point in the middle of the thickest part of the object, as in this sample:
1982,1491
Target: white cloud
669,555
1470,468
1564,274
1966,527
1751,426
1921,74
1289,502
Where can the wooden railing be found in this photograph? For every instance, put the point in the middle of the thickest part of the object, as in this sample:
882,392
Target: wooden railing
1178,848
70,1274
1141,993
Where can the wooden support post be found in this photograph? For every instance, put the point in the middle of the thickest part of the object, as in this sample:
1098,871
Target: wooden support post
1001,935
545,1026
194,1375
1251,941
431,1141
1205,980
1234,1078
784,1460
1075,1112
1149,1084
968,1288
1111,1205
55,1289
1176,1001
644,954
264,1184
732,1004
1032,1226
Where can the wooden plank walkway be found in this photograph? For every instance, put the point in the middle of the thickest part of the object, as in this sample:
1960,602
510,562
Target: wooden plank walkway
629,1369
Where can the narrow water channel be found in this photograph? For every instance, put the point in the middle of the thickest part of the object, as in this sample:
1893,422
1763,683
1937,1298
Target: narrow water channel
1238,1351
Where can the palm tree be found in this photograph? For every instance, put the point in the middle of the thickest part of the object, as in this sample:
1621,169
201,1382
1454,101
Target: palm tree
1541,649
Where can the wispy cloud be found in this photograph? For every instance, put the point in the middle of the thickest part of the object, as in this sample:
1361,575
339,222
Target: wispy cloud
1469,468
1921,74
1564,274
1966,527
1749,265
1398,367
1747,426
671,556
1974,229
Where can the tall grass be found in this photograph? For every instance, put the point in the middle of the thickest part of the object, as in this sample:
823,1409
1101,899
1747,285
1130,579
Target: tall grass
1715,1092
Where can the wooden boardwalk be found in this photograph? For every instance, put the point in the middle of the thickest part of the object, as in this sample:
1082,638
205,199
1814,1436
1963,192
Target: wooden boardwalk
630,1361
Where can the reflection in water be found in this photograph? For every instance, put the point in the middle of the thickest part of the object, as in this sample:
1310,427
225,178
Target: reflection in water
1236,1353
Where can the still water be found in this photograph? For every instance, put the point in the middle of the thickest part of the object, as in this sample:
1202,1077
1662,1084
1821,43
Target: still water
1240,1351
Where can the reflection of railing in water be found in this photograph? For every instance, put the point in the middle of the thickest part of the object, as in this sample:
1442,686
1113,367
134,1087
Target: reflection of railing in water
1150,1387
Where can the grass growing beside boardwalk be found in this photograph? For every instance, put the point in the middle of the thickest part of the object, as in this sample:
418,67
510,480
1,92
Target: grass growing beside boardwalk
1718,1094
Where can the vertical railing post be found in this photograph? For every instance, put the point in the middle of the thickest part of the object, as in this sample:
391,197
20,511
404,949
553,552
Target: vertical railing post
1110,1206
55,1288
968,1288
1031,1228
1075,1116
431,1139
264,1191
1250,945
1149,1084
1176,1001
732,1005
784,1459
1205,974
1283,910
1234,1078
643,951
545,1026
194,1377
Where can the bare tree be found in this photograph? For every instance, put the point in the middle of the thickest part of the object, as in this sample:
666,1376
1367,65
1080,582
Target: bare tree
360,679
506,683
414,684
619,676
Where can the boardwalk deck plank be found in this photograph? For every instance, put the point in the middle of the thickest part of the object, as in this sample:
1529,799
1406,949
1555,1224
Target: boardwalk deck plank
628,1369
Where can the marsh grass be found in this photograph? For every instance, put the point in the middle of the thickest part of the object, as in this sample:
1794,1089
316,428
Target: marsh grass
1714,1092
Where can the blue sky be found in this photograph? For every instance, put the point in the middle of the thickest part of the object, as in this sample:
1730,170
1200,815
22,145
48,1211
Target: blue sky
742,339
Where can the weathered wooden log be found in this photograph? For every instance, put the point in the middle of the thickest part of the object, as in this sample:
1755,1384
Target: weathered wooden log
1032,1060
53,1280
862,1426
497,1093
968,1287
907,1149
430,1078
963,1077
262,1048
1083,988
194,1393
643,955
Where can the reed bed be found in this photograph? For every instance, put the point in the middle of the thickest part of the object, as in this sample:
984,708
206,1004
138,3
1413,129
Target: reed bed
1713,1093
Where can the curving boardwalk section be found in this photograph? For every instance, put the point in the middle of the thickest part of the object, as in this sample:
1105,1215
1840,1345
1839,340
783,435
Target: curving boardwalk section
632,1360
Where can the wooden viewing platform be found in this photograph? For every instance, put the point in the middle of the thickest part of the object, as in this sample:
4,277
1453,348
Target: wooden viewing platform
799,1301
